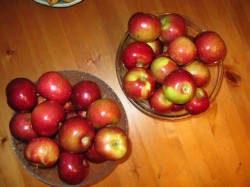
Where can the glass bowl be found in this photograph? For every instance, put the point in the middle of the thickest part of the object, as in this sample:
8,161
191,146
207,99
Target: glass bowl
212,88
97,171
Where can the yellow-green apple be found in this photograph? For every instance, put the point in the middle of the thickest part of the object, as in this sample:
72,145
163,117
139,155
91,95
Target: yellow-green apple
84,93
54,87
42,151
161,66
182,50
172,26
138,83
137,54
179,86
157,46
21,127
199,103
144,27
72,168
111,142
199,71
211,48
93,156
21,94
76,134
159,103
46,117
103,112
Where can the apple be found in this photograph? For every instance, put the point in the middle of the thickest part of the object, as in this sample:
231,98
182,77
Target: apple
165,54
93,156
161,67
157,47
200,102
68,106
73,168
70,114
21,94
144,27
159,103
179,86
103,112
137,54
21,127
182,50
172,26
54,87
76,134
177,107
84,93
138,83
40,99
211,48
199,71
42,151
46,117
80,113
111,142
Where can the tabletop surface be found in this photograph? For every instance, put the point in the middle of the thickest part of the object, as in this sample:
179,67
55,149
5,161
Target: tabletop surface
212,149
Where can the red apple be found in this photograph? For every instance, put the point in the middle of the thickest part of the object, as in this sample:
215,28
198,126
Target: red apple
54,87
157,46
173,26
159,103
182,50
21,94
161,67
210,46
138,83
21,127
76,134
68,106
165,54
144,27
73,168
103,112
93,156
42,151
71,114
81,113
137,54
179,86
46,117
40,99
200,102
111,142
84,93
177,107
199,71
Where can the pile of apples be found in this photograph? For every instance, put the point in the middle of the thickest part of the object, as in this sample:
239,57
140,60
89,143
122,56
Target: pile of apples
53,2
167,67
64,124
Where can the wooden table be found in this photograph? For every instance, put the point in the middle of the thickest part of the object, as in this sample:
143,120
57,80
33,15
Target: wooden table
212,149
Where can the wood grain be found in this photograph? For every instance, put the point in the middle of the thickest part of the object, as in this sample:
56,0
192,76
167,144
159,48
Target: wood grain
207,150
